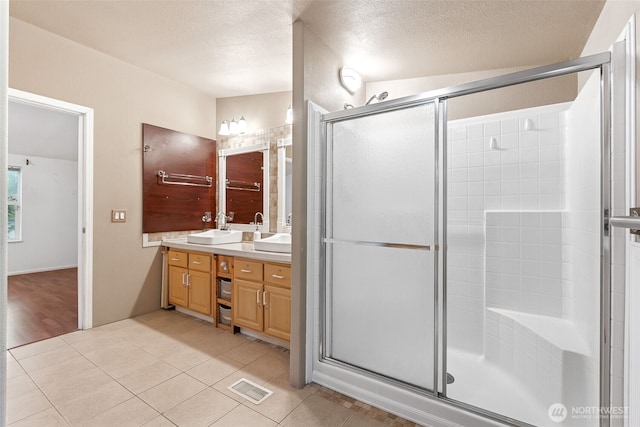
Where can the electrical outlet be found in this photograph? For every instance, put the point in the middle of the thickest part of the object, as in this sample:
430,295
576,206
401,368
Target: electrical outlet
119,215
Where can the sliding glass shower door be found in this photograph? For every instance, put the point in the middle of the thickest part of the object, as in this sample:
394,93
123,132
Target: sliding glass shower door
463,263
380,237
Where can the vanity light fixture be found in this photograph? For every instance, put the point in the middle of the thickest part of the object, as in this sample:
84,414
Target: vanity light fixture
350,79
289,119
234,127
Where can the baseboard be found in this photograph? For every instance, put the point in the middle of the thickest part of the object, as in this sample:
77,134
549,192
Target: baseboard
41,270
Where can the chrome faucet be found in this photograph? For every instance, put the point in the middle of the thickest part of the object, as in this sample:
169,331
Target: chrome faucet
221,220
205,219
255,218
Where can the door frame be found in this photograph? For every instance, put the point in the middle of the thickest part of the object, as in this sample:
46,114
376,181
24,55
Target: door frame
85,193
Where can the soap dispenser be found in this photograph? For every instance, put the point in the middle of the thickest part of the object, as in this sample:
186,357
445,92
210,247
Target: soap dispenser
256,234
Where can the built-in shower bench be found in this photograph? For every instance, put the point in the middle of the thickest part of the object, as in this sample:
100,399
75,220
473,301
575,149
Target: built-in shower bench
558,331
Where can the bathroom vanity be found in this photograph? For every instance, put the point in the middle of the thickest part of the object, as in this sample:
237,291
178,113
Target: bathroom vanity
232,285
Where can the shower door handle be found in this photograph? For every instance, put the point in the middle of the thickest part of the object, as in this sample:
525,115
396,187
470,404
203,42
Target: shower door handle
632,221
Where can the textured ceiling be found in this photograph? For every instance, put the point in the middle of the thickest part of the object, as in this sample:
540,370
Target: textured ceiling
242,47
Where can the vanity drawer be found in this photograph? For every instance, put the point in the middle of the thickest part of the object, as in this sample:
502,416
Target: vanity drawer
248,270
225,265
200,262
177,258
278,275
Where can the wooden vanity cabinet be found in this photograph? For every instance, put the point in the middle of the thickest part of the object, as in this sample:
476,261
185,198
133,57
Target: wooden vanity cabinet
262,297
260,291
277,301
191,280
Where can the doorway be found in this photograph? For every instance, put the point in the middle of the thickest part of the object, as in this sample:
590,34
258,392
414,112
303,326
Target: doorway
75,262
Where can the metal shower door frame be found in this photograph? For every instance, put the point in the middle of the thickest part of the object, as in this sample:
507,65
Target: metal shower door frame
326,124
439,97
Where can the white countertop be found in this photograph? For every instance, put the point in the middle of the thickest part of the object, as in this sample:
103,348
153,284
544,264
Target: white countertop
243,249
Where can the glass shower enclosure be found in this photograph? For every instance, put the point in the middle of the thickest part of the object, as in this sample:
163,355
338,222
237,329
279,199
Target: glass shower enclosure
461,255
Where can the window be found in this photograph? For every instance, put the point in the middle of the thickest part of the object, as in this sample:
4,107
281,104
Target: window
14,192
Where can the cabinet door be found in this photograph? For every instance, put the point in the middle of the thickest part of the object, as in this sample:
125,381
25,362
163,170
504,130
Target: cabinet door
277,312
247,304
200,292
177,286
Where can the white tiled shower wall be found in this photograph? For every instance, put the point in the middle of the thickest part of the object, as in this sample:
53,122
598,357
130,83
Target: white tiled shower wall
521,174
538,195
524,261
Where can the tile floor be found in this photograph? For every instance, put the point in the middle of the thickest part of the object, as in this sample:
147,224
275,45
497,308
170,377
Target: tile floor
166,369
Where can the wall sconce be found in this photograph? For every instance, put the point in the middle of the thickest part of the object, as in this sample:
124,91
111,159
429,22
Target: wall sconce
289,119
234,127
350,79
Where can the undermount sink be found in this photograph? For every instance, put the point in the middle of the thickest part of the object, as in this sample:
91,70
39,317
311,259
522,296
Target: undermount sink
215,237
280,242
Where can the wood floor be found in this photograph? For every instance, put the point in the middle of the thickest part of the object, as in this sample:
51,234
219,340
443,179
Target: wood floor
41,305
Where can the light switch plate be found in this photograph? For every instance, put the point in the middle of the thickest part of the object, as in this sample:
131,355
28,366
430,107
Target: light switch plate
119,215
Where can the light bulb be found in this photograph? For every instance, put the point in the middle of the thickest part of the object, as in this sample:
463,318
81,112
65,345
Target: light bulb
242,125
224,128
233,127
289,118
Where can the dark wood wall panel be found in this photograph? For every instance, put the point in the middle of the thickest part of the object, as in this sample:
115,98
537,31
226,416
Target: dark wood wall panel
168,207
242,171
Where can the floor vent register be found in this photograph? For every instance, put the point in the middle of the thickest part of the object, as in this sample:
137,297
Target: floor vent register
250,390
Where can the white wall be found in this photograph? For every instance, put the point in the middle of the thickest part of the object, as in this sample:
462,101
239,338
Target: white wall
4,110
49,215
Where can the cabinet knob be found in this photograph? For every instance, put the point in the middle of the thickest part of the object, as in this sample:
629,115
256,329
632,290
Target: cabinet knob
224,266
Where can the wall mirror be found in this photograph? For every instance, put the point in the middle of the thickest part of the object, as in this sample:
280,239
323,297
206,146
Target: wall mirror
285,175
243,186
